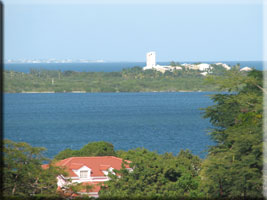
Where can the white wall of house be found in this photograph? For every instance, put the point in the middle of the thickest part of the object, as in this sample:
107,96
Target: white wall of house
246,69
81,178
61,181
83,169
203,66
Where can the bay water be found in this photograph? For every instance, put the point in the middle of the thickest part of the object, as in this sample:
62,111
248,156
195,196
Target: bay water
162,121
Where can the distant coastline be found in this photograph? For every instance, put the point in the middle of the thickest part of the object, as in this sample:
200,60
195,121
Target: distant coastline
82,92
106,66
135,79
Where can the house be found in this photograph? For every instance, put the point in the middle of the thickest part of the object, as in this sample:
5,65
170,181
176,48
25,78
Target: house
88,170
203,66
204,73
227,67
200,67
246,69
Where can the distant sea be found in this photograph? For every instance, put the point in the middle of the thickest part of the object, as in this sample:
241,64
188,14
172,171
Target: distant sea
107,66
162,122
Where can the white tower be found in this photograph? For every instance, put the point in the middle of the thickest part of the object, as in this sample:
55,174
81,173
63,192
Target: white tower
151,59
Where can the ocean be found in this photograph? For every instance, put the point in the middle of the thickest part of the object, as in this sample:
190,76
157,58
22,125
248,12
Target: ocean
106,66
161,122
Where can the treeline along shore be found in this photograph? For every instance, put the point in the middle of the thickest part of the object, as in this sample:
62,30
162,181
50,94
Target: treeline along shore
128,80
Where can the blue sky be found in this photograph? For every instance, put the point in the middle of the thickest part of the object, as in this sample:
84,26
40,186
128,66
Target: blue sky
125,32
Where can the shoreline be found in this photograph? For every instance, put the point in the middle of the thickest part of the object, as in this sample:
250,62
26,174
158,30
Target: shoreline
84,92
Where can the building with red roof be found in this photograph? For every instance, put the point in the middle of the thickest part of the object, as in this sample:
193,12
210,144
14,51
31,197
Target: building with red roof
88,170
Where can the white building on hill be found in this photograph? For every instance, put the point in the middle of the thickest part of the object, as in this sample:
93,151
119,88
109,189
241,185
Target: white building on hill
204,68
247,69
200,67
227,67
151,64
151,59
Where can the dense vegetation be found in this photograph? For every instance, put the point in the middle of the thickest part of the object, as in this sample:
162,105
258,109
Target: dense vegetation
22,171
91,149
156,176
232,168
128,80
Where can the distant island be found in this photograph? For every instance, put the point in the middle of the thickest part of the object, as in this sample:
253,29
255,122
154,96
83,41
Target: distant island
173,78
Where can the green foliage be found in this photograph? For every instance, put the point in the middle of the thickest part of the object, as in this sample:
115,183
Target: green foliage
35,197
91,149
128,80
155,176
173,64
66,153
22,171
233,167
218,70
75,189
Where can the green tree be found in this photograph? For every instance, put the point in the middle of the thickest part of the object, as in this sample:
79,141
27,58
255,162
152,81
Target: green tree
74,189
172,64
128,80
100,148
233,167
22,171
154,176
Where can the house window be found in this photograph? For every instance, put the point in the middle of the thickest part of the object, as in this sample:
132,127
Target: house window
83,174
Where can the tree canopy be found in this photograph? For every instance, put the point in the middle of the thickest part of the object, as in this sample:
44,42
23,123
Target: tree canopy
91,149
155,176
128,80
233,167
22,171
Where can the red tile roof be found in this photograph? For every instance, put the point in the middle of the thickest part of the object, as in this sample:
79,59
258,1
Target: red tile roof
96,164
45,166
104,167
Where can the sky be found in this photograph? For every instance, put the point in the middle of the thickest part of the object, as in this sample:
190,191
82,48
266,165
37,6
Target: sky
119,31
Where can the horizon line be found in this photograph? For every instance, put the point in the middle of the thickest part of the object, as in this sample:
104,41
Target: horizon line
106,61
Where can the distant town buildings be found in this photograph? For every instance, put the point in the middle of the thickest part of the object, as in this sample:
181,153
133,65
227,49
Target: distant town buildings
224,65
245,69
200,66
205,68
151,64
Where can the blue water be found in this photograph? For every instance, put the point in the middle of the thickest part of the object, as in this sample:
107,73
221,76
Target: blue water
162,122
107,67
